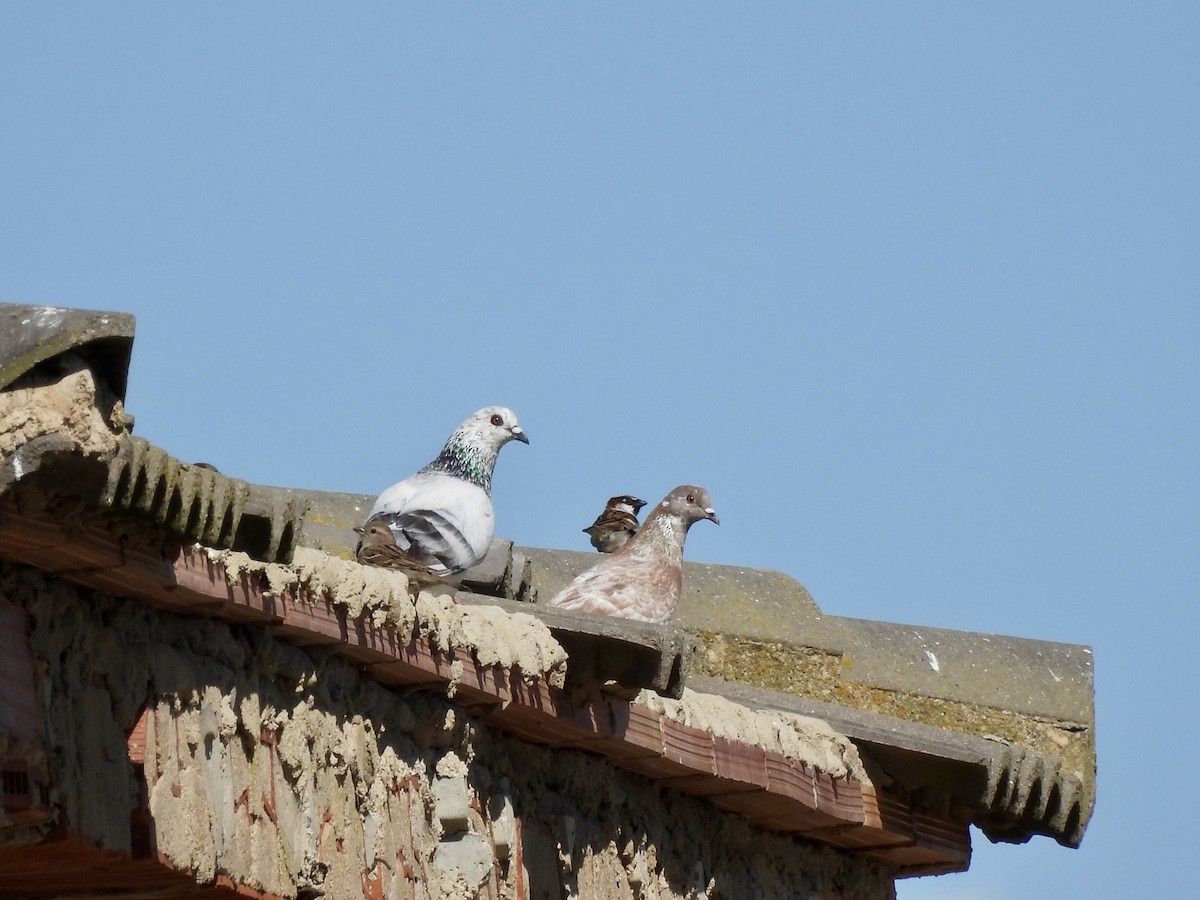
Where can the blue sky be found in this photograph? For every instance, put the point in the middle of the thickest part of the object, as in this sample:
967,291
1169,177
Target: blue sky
913,290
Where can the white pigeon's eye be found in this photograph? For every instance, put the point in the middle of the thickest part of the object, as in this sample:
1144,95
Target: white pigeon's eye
496,420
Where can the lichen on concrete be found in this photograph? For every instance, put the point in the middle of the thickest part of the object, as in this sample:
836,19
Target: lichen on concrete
822,675
768,664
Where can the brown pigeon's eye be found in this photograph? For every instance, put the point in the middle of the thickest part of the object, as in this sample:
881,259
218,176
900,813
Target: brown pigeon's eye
496,420
691,498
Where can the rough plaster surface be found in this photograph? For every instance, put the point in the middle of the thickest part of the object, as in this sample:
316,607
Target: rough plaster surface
799,737
512,641
62,405
296,776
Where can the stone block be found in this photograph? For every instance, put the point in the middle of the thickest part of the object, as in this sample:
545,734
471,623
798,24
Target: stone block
452,804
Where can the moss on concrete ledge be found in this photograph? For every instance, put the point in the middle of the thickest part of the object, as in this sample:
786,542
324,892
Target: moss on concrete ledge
828,677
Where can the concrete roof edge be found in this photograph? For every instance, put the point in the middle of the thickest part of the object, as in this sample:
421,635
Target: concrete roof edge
1025,791
139,479
1020,793
1024,675
30,335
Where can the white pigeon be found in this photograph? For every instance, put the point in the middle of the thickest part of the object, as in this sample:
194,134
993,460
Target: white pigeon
642,579
442,516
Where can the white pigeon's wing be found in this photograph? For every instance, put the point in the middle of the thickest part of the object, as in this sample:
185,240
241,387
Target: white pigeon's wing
444,522
434,539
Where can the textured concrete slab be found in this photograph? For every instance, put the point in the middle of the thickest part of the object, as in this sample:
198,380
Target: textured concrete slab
1011,791
1018,674
331,519
30,335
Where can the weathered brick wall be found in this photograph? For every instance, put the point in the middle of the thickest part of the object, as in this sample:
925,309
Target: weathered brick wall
292,773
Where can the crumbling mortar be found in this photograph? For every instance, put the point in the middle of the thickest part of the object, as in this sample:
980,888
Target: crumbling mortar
516,642
61,397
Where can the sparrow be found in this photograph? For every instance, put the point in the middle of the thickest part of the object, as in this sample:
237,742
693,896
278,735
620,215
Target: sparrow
643,580
442,517
377,547
616,525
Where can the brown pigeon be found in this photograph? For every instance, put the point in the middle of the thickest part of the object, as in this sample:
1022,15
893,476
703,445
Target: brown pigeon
616,525
643,579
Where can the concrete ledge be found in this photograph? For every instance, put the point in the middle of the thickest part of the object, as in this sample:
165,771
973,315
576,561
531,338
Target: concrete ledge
754,602
31,335
201,503
1010,790
195,502
1017,674
1022,675
601,649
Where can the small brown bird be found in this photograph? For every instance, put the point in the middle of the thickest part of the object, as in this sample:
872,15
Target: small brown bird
377,547
616,525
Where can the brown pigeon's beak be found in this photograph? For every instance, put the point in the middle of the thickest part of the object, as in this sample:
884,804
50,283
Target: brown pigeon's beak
711,515
519,435
358,529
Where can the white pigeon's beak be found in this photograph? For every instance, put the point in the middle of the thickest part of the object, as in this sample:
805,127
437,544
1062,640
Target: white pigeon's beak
711,515
518,434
